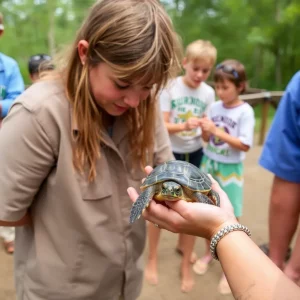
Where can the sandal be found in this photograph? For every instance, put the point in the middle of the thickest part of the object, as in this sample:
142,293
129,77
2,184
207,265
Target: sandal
223,287
265,249
9,247
200,267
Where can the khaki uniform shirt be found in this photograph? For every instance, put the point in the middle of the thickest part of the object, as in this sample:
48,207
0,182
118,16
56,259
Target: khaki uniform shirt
80,245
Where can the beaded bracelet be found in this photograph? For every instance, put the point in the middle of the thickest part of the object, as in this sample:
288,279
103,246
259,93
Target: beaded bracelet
221,233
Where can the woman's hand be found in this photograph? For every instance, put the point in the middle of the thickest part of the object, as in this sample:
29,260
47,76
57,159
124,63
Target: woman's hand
198,219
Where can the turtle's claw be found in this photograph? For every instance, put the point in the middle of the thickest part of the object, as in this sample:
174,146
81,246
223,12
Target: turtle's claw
141,204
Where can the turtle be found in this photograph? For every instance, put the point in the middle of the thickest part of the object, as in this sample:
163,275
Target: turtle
172,181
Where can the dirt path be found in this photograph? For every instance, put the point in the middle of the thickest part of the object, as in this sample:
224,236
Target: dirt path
257,189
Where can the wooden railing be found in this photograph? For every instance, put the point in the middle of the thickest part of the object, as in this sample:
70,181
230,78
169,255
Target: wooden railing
266,99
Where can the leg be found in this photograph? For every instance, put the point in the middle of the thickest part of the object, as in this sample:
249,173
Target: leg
8,235
201,265
283,218
215,197
179,156
202,198
194,158
292,269
179,249
187,280
230,178
141,203
151,267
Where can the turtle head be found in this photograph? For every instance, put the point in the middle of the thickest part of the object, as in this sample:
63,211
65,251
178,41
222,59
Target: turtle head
171,191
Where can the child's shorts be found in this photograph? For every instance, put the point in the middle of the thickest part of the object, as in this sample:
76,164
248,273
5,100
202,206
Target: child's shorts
230,178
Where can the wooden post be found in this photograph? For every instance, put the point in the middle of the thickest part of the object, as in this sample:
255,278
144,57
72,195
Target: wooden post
264,120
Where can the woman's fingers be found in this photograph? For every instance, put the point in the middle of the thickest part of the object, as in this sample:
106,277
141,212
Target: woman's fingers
181,207
148,170
157,213
133,194
163,216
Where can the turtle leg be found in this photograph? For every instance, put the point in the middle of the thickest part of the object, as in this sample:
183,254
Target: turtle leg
215,197
202,198
141,203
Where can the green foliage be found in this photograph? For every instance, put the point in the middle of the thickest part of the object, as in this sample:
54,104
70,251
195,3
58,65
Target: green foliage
262,34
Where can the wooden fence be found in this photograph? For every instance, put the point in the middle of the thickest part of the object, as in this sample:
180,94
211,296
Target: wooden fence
266,99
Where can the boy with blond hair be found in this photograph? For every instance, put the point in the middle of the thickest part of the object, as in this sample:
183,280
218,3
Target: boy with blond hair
183,103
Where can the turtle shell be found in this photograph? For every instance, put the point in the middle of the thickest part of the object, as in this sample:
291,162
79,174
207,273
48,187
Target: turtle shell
181,172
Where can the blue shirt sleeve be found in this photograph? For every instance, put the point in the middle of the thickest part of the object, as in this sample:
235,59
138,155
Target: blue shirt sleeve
281,152
15,86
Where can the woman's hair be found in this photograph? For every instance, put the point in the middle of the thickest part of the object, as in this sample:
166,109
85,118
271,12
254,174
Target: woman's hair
233,71
137,40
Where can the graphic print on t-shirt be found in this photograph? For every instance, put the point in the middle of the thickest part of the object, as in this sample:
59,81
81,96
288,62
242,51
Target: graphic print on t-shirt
227,125
185,108
216,140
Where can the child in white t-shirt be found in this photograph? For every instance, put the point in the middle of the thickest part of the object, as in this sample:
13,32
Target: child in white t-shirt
183,103
228,129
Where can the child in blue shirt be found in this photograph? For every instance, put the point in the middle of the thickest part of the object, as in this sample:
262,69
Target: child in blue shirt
11,86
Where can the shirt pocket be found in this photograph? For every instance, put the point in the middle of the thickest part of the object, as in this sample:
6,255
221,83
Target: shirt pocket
100,188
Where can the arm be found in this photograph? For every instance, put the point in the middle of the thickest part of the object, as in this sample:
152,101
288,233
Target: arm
234,142
205,136
14,88
26,220
250,273
174,128
26,158
209,128
165,105
246,128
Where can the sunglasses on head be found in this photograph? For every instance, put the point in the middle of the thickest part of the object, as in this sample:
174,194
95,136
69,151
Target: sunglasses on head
228,69
40,57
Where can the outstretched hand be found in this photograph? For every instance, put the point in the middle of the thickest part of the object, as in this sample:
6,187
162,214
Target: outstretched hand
198,219
207,125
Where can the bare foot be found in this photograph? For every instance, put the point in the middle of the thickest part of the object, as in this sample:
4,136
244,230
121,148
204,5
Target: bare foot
9,247
187,280
151,272
193,258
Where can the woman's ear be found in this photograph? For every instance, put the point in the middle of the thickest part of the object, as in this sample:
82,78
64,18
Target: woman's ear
82,50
